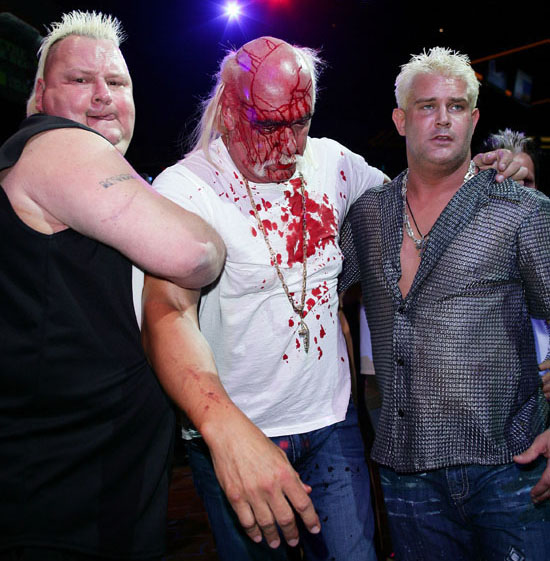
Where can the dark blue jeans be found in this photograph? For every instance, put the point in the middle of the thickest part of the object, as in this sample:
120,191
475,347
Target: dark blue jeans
332,461
467,513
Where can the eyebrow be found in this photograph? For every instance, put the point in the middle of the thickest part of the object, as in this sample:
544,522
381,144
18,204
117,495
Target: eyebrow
272,123
428,99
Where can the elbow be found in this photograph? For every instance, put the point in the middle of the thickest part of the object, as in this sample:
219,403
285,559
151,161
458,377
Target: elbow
205,265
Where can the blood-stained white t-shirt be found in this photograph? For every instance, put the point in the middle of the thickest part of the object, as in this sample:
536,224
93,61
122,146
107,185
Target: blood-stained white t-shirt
246,316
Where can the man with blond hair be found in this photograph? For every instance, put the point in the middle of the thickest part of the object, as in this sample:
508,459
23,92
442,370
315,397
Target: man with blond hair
85,429
452,264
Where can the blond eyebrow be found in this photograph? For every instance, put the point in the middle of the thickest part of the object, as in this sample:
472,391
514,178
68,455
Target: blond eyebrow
428,99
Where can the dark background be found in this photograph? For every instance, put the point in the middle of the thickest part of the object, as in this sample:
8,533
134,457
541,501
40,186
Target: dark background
174,47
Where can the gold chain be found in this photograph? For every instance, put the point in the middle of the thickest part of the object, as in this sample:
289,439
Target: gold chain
298,309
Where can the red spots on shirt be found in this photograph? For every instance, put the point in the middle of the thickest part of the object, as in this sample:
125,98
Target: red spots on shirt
310,302
343,175
320,351
291,322
318,316
254,232
320,224
268,225
285,357
342,359
236,175
298,344
322,333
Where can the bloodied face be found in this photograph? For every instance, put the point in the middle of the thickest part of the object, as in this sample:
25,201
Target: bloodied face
267,110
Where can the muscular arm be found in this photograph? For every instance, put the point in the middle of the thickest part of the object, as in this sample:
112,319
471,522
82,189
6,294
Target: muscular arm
74,178
255,475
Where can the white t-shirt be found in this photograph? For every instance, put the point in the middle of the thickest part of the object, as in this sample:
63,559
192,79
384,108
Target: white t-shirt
246,316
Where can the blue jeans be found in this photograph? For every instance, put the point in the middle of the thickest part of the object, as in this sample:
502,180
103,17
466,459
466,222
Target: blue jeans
466,513
332,461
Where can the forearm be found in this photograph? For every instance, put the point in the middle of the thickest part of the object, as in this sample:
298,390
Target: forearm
183,361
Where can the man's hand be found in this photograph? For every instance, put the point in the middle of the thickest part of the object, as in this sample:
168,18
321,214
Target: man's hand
541,446
260,483
504,162
546,378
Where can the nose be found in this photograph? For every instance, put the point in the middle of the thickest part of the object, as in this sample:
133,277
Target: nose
287,139
442,117
102,93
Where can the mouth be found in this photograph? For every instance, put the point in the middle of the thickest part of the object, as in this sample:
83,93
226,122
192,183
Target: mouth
106,117
442,138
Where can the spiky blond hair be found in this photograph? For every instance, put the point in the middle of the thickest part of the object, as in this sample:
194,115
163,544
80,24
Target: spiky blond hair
440,61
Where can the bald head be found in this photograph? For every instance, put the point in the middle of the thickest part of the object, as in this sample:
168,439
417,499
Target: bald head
268,69
267,106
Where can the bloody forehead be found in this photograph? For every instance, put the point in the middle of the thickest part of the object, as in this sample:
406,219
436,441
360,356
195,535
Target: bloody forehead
273,81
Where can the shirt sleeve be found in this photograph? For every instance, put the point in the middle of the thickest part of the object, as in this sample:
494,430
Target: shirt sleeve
534,260
187,190
361,176
350,271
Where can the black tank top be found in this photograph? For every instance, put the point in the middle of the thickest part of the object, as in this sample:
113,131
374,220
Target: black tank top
85,429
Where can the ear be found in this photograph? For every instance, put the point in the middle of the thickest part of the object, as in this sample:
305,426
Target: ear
475,117
398,116
229,113
39,95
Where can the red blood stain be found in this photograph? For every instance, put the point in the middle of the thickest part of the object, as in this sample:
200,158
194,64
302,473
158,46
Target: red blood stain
310,302
254,233
279,258
291,322
322,333
343,175
283,444
315,340
320,353
318,316
235,174
285,357
342,359
297,344
320,223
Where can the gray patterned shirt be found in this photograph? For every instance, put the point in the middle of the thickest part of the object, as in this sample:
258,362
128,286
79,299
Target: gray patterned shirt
455,359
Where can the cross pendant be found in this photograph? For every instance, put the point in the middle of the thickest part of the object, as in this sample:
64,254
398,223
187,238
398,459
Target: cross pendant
303,332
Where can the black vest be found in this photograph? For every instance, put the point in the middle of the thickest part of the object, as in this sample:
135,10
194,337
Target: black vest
85,429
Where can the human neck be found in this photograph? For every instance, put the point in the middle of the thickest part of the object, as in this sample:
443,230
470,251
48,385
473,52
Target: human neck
430,180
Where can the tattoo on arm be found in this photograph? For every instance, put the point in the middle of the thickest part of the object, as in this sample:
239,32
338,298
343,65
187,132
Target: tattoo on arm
109,181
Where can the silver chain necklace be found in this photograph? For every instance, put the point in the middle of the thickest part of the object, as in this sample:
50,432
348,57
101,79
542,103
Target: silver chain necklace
303,330
422,242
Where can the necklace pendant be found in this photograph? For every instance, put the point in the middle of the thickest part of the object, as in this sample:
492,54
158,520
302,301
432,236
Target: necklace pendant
303,332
